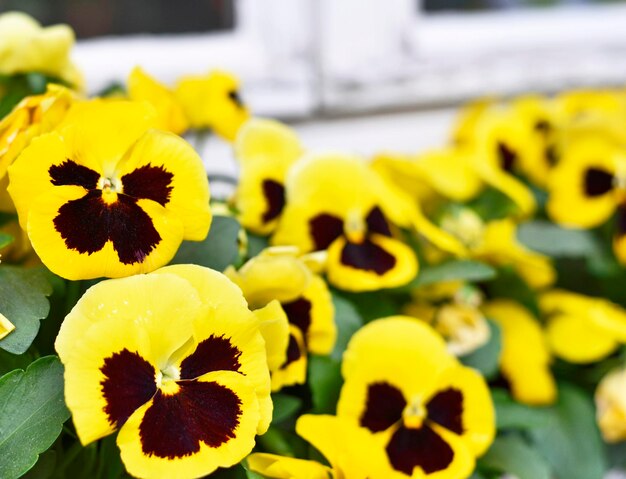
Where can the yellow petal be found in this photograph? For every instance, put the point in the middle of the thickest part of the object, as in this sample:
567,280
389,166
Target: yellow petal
6,326
293,370
282,467
274,327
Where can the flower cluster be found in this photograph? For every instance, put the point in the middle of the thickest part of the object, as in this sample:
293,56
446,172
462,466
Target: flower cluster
447,314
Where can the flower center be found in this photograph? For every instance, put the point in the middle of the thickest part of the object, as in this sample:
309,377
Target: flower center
167,378
465,225
355,227
414,413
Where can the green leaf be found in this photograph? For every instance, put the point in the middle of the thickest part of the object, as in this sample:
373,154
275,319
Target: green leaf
513,415
348,322
570,440
217,251
32,414
547,238
325,381
44,467
487,358
466,270
492,204
510,285
9,361
5,239
23,301
256,244
511,455
373,304
285,406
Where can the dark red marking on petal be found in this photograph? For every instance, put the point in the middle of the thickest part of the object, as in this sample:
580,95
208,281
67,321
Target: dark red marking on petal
543,126
410,448
620,221
299,314
597,182
129,383
86,224
383,407
175,425
367,256
274,194
377,223
325,229
236,98
507,157
149,182
216,353
293,352
71,173
446,409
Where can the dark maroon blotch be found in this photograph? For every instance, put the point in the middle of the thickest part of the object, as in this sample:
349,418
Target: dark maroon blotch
325,229
71,173
507,157
236,98
174,425
423,447
377,223
86,224
597,182
293,352
367,256
129,383
383,407
446,409
274,193
149,182
299,314
216,353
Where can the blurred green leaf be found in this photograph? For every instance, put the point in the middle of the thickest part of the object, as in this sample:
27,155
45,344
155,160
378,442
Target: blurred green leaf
285,407
570,440
492,204
348,322
373,304
325,381
217,251
513,415
511,455
23,301
5,239
547,238
510,285
33,413
487,358
465,270
256,244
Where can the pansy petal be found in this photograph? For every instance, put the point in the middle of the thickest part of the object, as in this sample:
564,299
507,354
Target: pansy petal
293,369
576,339
378,262
274,327
164,168
283,467
267,140
79,235
208,423
462,404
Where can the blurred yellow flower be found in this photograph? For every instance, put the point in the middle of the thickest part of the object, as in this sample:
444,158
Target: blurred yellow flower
105,195
170,115
431,415
266,149
610,398
186,384
525,357
26,46
213,101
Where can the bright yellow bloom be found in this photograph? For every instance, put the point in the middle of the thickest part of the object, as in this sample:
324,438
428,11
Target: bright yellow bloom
105,195
26,46
525,357
213,101
337,203
610,401
170,115
432,415
350,450
266,149
582,329
6,326
175,362
31,117
277,273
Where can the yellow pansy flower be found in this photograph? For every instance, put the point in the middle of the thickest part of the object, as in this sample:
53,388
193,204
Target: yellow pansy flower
278,273
432,415
31,117
213,101
26,46
170,115
266,149
582,329
175,362
350,450
610,398
6,326
335,202
105,195
525,358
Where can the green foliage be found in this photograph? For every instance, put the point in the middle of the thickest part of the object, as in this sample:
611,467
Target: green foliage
23,301
552,240
33,412
5,239
486,359
217,251
465,270
348,322
513,415
20,86
285,407
324,377
512,455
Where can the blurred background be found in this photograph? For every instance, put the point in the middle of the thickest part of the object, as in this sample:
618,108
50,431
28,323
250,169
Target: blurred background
353,74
